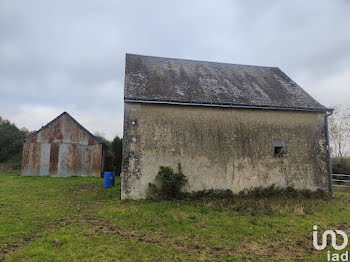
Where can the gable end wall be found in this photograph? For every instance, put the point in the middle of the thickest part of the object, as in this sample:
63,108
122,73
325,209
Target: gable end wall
63,149
222,148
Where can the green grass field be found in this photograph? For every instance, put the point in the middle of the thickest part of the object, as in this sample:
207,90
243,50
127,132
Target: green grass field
76,219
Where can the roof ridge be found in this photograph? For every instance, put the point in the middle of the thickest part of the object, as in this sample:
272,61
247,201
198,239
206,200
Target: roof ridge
202,61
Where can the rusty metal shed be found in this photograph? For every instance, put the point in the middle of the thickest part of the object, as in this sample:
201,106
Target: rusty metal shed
62,148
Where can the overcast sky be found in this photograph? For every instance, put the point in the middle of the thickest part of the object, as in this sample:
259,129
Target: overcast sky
69,55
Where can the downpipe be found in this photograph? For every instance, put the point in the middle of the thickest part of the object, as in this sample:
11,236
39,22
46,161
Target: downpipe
329,153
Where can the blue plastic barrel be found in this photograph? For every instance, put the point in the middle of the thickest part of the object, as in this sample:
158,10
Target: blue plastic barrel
109,179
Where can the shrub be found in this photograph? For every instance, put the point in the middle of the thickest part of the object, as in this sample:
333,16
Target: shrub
288,192
169,183
168,186
254,193
209,194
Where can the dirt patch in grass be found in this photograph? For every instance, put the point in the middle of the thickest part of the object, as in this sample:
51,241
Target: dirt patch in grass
158,239
10,248
295,249
83,189
13,247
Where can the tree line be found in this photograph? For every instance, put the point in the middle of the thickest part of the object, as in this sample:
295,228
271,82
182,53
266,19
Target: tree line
113,153
11,144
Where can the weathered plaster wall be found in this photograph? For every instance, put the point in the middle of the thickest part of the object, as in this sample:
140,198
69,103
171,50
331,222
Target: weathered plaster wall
222,148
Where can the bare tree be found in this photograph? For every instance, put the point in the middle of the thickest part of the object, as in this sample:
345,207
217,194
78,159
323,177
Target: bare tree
100,134
339,129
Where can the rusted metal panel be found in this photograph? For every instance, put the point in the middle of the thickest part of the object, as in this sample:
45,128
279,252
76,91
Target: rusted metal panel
44,159
88,159
65,129
62,148
91,141
52,133
32,139
31,159
75,160
63,156
54,159
97,160
26,158
35,157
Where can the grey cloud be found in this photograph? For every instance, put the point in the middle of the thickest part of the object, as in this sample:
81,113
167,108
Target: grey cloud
69,55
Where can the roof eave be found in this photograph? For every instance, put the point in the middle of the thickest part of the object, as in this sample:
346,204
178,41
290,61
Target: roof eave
227,105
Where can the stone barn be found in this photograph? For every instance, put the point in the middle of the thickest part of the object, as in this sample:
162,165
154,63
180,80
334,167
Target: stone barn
62,148
229,126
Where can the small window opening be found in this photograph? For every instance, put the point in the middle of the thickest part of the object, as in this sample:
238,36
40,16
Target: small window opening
278,151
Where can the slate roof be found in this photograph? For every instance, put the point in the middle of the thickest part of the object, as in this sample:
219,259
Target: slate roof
177,81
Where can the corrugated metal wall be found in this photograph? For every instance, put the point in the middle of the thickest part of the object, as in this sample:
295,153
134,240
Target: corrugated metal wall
62,148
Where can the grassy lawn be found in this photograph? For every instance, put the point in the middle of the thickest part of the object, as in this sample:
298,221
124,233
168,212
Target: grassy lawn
74,219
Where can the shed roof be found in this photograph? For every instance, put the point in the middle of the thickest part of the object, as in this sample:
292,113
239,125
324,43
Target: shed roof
177,81
75,121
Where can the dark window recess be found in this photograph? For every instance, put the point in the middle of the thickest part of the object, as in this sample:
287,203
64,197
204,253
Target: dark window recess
278,151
